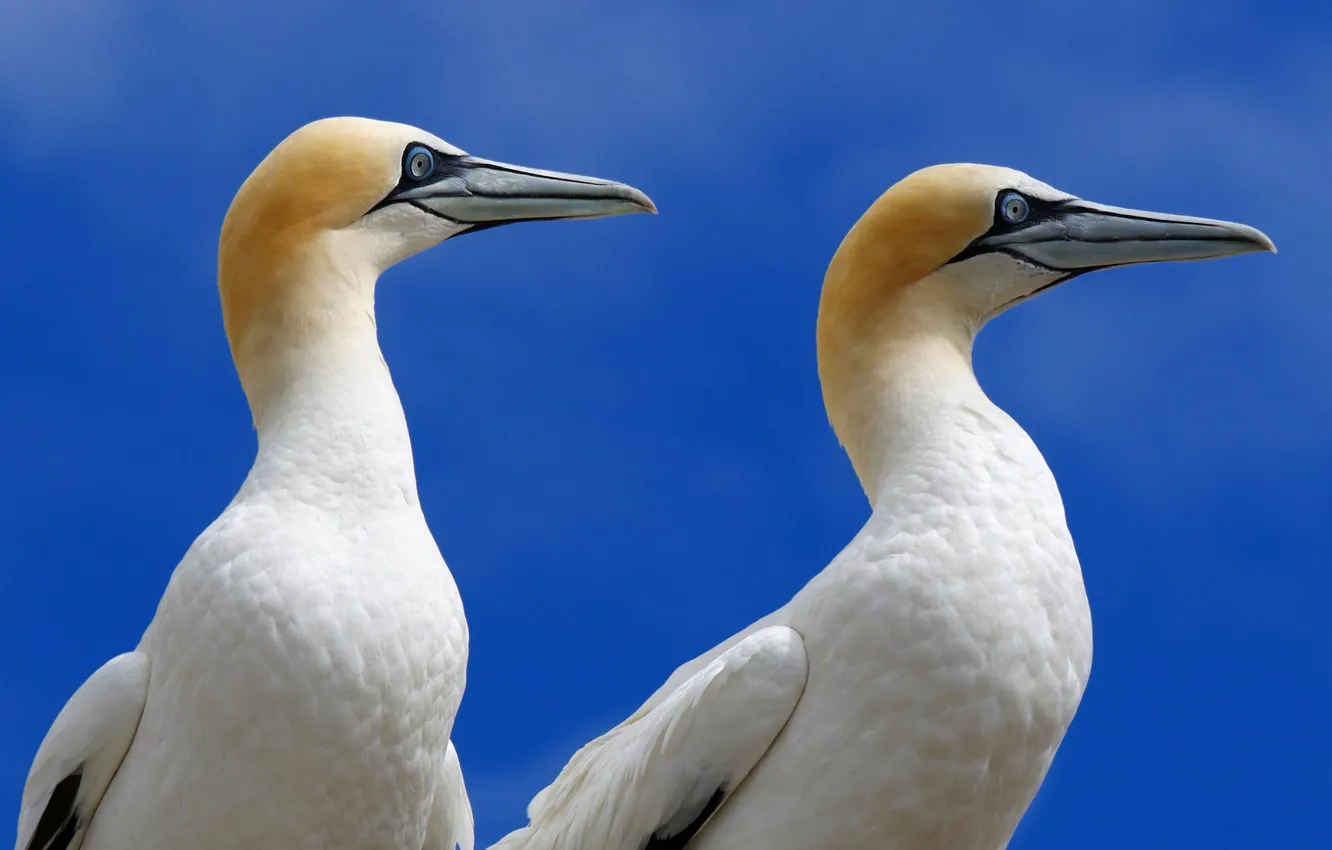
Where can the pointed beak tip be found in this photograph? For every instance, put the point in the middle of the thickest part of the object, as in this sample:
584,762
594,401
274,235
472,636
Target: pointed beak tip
640,200
1259,240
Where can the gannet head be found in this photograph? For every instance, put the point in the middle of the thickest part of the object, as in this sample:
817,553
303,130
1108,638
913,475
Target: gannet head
951,246
342,199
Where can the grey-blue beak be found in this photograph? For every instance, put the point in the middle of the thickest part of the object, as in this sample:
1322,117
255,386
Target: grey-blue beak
471,190
1083,236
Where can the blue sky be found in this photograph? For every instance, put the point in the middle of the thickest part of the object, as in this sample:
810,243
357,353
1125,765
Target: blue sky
620,442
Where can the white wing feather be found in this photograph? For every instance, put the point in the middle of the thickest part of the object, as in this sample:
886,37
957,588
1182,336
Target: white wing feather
88,739
656,773
451,824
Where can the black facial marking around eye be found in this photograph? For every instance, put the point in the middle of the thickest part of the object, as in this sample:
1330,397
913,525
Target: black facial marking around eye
442,166
1013,211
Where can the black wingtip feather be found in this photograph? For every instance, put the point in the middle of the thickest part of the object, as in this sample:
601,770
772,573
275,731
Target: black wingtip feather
679,840
59,821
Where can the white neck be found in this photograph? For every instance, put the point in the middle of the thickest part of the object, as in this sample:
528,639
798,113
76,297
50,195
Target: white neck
910,383
920,395
330,423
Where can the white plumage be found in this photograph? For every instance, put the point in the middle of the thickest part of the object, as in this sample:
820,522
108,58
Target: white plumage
949,643
299,681
699,740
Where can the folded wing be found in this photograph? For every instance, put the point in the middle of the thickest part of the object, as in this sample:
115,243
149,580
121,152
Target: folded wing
450,826
653,781
80,755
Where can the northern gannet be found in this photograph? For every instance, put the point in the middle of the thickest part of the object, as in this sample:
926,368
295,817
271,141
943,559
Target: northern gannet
912,695
298,684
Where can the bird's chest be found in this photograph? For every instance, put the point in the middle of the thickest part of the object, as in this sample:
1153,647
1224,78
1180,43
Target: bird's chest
948,650
313,671
959,688
370,616
990,639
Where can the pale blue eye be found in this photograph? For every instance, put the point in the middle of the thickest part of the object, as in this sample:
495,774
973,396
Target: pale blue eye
419,162
1014,208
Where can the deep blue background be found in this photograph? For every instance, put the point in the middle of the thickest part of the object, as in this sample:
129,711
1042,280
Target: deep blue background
620,440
